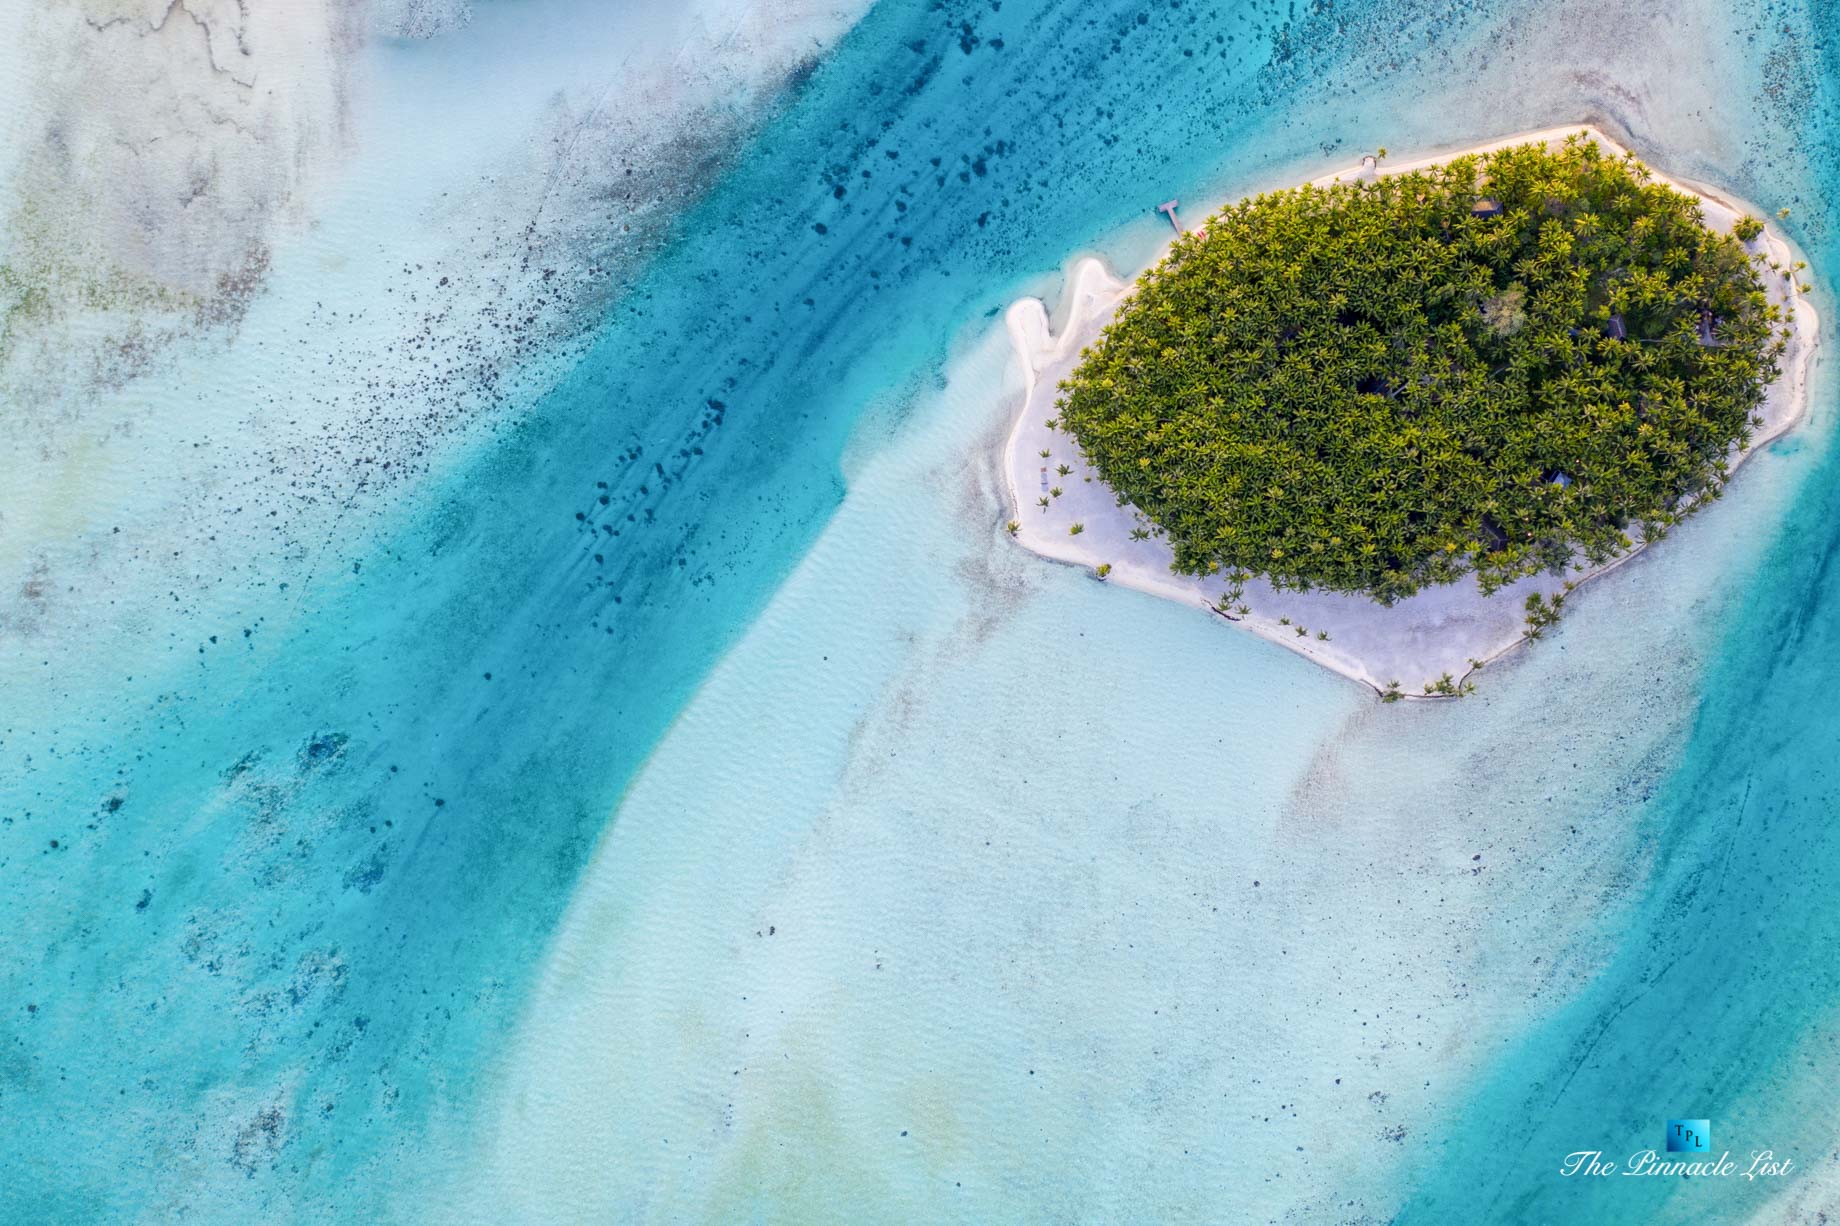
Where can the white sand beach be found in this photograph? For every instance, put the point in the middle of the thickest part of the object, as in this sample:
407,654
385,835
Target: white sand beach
1440,635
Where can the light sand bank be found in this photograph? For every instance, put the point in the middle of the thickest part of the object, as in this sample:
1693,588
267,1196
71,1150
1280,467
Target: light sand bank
1448,630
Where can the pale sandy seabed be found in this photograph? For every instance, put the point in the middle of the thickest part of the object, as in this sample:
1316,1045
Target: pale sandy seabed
1441,633
1180,921
264,268
794,944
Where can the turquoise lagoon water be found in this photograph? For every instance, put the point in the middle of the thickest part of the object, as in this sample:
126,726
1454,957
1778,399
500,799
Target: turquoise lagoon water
688,806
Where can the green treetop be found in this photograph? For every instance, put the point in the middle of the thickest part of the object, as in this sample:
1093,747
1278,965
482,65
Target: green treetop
1496,365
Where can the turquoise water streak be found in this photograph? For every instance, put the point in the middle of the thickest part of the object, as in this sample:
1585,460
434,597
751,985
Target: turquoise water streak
1719,995
1058,904
300,882
292,891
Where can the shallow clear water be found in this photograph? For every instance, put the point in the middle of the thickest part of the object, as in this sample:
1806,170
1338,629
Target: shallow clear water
687,805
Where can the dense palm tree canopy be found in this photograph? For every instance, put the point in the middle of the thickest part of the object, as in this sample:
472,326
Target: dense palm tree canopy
1373,386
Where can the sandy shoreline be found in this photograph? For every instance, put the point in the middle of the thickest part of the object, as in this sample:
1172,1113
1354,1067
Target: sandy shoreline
1441,632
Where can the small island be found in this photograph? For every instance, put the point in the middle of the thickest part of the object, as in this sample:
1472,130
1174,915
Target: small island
1391,417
